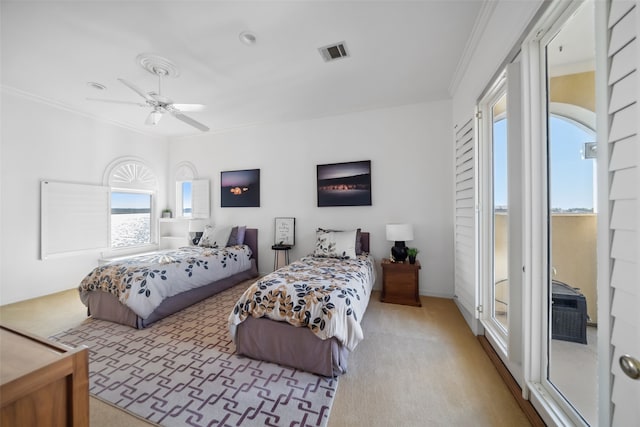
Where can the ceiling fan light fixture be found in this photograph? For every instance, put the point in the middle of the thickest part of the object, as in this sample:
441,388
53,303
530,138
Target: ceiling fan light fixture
249,38
160,67
154,117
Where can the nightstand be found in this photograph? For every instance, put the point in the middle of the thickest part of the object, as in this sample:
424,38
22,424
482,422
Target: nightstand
400,283
278,260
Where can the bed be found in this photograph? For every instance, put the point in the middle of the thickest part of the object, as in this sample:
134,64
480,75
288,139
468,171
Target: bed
307,314
138,291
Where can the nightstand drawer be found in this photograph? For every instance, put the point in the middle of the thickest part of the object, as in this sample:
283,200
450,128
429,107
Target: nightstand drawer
404,286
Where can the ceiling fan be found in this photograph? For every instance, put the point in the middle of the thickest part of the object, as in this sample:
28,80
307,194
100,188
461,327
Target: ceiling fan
161,67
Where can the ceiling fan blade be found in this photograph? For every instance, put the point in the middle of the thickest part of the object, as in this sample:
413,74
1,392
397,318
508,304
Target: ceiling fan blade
188,120
190,107
115,101
139,91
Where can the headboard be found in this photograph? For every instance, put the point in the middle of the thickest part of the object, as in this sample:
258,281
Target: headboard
364,240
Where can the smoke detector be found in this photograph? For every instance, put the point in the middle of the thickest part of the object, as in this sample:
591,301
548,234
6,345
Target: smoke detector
334,51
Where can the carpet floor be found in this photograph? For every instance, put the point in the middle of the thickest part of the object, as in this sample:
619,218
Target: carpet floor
417,366
182,371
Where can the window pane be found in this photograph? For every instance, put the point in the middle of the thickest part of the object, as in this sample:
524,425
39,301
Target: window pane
130,219
187,208
573,271
572,185
500,215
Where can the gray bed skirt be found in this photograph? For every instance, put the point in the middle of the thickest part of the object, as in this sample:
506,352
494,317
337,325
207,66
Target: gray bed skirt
285,344
106,306
280,342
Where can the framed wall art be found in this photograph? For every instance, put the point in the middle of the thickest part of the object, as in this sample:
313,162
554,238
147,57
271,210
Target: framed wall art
240,189
344,184
285,232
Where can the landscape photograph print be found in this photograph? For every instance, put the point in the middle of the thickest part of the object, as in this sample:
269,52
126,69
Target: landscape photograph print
344,184
240,189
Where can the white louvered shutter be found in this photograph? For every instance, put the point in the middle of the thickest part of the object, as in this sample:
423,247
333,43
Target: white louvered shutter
73,218
624,118
465,218
200,199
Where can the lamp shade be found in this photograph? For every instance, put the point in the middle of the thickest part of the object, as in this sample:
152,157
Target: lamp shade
399,232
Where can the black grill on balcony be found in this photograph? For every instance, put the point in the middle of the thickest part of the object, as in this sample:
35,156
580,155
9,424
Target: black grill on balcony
568,313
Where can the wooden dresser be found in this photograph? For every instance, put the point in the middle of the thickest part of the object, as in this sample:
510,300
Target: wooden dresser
400,283
42,383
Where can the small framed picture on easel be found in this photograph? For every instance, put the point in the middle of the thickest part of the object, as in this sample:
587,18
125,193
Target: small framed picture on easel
285,232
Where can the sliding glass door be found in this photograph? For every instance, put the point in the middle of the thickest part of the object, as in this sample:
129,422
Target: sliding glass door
570,286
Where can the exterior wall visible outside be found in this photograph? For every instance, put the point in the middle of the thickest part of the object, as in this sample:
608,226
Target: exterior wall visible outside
574,255
576,89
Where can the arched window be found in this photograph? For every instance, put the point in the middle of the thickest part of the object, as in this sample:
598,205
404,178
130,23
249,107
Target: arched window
133,187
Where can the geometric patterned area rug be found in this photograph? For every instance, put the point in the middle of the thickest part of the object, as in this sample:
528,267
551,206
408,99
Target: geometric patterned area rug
182,370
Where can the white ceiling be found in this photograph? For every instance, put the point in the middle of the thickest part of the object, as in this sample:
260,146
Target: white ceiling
402,52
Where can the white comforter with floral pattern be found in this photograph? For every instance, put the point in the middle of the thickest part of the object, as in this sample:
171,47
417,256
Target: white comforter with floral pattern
327,295
143,282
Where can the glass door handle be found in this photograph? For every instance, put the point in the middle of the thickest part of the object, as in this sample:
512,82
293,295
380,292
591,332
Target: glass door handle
630,366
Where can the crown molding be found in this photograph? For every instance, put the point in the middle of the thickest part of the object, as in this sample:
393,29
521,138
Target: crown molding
480,24
67,108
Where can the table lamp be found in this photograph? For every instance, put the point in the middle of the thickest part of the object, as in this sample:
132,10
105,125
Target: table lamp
399,233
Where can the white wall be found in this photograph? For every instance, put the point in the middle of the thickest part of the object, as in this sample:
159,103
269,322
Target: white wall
411,163
43,142
408,146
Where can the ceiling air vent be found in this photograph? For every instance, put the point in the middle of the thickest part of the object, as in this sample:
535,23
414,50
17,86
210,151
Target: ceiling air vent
334,51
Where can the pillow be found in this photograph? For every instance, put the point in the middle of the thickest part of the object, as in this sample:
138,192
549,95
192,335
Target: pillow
241,232
214,237
233,237
359,250
237,236
335,244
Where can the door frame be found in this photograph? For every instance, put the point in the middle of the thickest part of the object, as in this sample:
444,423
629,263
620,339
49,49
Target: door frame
508,345
547,400
492,330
